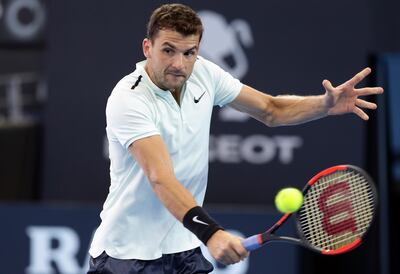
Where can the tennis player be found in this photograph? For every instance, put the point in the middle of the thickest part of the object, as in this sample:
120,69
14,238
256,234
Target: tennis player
158,123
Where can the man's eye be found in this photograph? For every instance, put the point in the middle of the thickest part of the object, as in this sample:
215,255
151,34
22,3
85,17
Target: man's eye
190,53
168,51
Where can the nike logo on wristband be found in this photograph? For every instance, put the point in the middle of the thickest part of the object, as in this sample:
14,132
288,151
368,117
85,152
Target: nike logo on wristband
196,220
198,100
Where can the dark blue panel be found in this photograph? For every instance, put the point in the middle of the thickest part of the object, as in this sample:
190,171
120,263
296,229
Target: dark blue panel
92,44
33,235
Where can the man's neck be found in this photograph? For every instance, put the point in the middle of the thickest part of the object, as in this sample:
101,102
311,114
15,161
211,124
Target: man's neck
176,93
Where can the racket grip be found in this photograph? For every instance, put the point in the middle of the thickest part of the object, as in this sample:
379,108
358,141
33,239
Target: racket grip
251,243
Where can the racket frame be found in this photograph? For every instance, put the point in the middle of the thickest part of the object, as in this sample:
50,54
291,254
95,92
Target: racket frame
258,240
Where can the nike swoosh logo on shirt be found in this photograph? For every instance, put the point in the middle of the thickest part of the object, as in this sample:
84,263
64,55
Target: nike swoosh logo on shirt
198,100
196,220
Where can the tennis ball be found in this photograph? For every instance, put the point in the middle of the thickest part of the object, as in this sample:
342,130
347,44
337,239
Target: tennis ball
288,200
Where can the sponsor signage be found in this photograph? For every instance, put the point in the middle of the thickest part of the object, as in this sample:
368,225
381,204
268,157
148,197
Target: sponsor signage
48,239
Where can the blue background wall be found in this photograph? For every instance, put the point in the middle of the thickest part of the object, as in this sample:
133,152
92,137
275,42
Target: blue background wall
295,45
287,47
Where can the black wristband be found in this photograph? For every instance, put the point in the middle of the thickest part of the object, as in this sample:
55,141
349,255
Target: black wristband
200,223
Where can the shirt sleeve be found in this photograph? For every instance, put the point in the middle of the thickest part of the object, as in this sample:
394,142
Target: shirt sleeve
129,118
227,88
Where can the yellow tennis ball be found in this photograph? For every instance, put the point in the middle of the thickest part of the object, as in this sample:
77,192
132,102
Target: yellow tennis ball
288,200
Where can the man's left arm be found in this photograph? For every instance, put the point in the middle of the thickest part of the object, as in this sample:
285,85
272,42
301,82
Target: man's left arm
291,110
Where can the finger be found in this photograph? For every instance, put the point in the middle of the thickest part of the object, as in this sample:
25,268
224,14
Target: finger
360,113
224,259
244,255
359,77
230,256
241,251
365,104
327,85
369,91
233,258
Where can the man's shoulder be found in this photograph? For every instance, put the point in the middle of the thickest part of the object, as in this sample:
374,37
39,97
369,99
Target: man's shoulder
132,85
204,69
132,81
128,81
203,63
129,93
207,67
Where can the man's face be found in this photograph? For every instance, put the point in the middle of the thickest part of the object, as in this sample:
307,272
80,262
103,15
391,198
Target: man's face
170,58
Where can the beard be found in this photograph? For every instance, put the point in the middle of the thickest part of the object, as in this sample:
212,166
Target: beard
171,80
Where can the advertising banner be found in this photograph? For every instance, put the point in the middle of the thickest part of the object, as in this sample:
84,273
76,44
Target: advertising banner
49,239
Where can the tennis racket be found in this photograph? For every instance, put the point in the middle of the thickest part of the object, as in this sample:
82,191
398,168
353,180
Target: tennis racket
337,211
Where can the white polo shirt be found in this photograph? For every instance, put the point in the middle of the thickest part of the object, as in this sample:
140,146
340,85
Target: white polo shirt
135,224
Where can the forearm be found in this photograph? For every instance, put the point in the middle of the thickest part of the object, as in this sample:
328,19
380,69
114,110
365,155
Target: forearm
292,110
178,200
175,197
153,157
279,110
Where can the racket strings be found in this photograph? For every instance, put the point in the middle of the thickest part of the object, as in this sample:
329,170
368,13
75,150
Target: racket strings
343,238
342,215
357,201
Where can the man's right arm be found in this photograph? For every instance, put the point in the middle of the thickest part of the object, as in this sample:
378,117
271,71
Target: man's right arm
153,157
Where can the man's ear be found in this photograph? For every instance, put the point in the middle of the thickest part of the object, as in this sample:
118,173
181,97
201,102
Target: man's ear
146,47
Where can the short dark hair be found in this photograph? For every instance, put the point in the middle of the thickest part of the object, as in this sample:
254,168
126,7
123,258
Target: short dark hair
177,17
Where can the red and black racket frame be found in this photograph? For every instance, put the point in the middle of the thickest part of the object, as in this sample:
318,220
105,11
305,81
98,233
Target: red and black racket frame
259,240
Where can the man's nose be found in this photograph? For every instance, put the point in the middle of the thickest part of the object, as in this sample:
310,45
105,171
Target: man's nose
178,62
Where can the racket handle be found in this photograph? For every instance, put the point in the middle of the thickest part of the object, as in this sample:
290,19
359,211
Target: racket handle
251,243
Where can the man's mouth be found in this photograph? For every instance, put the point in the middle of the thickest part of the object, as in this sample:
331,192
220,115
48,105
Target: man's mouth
176,74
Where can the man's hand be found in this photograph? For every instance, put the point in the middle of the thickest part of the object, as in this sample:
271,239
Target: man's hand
226,248
344,98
